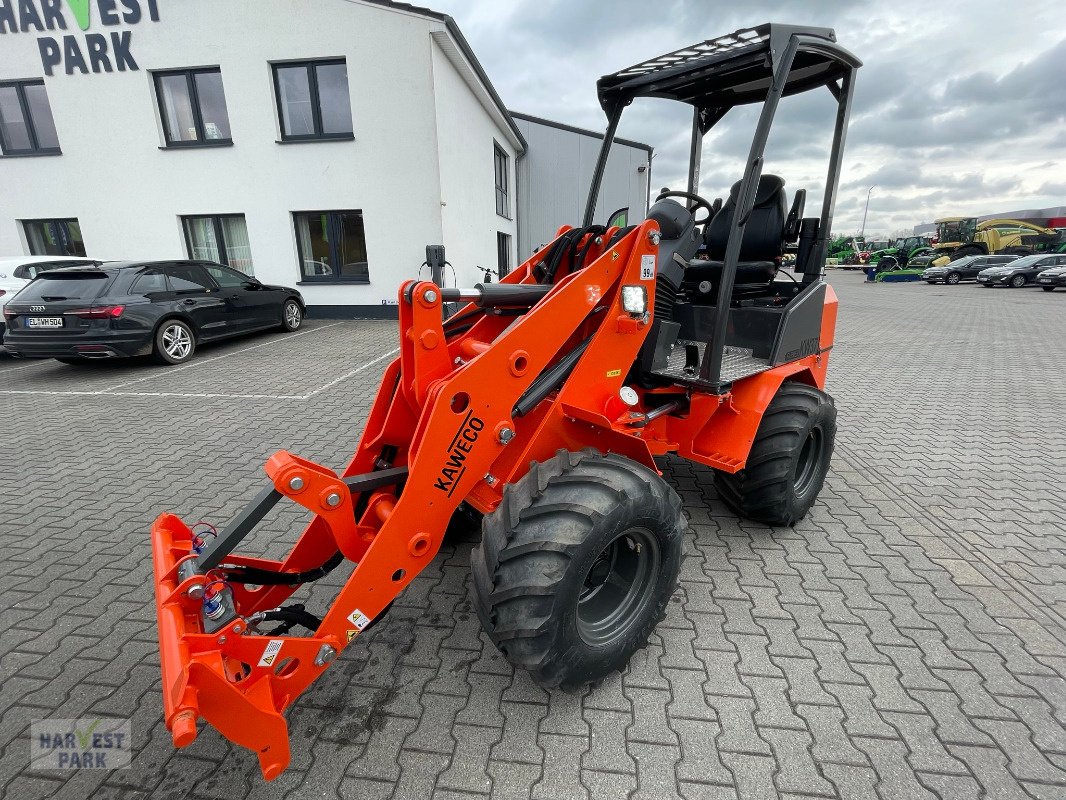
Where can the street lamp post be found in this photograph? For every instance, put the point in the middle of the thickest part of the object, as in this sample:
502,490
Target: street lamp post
862,233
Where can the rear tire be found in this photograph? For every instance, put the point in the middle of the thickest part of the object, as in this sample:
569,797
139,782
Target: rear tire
175,342
576,566
788,461
966,250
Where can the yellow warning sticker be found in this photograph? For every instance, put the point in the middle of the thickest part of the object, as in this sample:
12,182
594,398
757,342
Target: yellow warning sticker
270,654
351,635
614,373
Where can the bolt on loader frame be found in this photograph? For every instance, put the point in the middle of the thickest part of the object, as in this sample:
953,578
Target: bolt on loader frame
542,404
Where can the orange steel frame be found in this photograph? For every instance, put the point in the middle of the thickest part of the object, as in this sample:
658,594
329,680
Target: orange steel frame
442,406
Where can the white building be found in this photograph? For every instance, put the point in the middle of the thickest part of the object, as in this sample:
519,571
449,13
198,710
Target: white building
319,143
327,142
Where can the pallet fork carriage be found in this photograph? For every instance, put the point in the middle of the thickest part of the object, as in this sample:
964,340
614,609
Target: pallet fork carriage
542,404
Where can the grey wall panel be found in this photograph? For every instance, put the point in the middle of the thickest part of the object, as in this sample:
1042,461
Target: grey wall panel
554,175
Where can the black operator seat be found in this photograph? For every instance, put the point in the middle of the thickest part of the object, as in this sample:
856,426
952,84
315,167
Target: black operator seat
762,246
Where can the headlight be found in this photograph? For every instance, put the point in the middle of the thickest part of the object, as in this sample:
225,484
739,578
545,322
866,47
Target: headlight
635,300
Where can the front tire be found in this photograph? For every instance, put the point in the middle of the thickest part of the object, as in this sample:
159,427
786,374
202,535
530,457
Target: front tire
788,461
175,342
1018,281
576,566
952,278
292,316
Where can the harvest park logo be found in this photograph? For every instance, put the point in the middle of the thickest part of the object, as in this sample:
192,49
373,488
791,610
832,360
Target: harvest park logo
80,744
92,52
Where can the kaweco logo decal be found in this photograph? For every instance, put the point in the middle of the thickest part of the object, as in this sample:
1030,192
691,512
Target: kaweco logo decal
462,443
808,347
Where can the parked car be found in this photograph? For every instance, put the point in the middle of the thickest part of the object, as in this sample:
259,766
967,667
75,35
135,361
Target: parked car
1051,278
131,308
16,272
964,269
1018,272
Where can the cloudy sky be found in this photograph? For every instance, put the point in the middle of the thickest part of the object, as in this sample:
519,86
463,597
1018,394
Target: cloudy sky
960,108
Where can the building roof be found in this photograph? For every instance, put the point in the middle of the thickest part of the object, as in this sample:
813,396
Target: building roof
582,131
464,48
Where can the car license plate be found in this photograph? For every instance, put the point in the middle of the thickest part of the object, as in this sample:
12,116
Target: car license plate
982,279
1045,280
44,322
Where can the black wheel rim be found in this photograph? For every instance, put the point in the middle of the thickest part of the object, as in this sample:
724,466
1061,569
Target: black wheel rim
618,587
809,460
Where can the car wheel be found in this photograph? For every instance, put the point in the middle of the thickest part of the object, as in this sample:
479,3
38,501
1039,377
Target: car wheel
1018,281
292,316
953,278
174,342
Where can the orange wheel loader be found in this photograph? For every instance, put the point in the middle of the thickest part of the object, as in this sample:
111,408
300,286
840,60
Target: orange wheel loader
541,404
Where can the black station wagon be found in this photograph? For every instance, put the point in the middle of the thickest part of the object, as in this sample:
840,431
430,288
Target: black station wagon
131,308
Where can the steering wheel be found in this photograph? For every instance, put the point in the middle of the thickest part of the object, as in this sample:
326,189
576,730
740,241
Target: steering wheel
697,203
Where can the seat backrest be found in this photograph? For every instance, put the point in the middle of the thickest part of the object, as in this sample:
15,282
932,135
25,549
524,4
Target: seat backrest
678,228
764,235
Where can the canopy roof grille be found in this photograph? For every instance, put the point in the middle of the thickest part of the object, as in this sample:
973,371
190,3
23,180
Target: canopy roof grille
731,70
700,50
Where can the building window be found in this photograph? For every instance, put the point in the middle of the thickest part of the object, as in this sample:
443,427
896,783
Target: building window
192,105
503,205
54,237
503,254
332,246
26,124
313,101
222,239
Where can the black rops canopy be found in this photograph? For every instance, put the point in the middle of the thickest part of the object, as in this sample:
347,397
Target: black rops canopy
732,70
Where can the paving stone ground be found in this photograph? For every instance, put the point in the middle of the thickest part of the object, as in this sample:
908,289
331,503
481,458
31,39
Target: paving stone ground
905,640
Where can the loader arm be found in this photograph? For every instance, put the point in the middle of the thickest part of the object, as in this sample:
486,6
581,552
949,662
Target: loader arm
442,430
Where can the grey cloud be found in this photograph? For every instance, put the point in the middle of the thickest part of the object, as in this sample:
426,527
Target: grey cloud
1052,189
951,114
